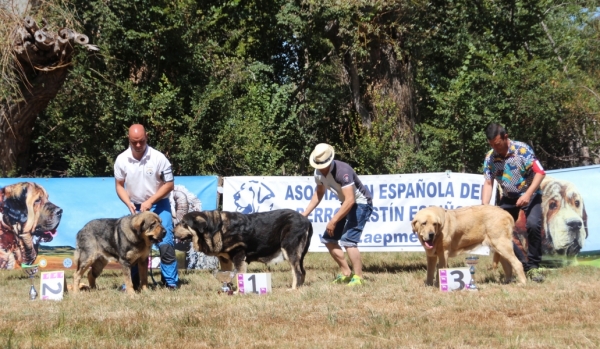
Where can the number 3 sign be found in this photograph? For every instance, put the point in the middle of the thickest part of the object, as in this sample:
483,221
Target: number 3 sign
452,279
254,283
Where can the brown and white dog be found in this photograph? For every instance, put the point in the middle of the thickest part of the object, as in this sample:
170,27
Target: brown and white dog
26,219
564,220
447,233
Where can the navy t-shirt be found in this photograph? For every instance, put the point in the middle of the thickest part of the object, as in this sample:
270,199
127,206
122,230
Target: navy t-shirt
340,176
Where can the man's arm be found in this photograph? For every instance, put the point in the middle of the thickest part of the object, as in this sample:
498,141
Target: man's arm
535,184
162,191
346,207
315,200
486,193
122,193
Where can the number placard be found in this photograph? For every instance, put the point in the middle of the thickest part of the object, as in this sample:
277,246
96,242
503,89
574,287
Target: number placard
259,283
52,285
453,279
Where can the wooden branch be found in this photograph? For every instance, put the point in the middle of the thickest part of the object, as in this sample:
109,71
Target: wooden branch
307,75
592,91
44,40
553,46
81,39
30,25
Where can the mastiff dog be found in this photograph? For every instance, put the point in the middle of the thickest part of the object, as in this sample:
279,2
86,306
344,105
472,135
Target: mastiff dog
27,218
564,222
447,233
238,239
126,240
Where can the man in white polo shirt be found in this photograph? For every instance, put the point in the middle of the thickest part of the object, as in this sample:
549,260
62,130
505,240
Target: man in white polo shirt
143,180
346,226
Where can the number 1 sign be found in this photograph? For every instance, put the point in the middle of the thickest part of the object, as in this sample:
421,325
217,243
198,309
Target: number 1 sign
259,283
452,279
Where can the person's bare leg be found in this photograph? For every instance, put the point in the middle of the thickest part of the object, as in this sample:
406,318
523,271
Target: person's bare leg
354,255
337,254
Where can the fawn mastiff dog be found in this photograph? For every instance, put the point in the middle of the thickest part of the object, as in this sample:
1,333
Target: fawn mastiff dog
238,239
126,240
27,218
447,233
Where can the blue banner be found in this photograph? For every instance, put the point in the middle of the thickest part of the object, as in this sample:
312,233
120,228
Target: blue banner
70,203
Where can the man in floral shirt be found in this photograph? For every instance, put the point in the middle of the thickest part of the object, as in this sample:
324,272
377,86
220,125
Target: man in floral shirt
519,173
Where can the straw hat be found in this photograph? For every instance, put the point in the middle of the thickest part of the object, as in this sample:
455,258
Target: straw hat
322,156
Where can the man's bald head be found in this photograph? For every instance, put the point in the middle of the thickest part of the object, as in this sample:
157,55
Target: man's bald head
137,130
137,140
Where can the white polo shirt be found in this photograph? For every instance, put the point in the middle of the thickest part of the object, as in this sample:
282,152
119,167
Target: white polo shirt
143,177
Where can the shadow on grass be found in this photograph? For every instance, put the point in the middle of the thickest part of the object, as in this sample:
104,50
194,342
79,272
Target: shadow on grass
394,268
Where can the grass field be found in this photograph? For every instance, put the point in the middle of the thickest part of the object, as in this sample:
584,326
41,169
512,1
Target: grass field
393,310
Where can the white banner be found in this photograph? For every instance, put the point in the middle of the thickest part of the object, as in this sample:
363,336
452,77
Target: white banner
396,199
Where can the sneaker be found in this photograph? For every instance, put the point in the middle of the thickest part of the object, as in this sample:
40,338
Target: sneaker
535,275
356,280
341,279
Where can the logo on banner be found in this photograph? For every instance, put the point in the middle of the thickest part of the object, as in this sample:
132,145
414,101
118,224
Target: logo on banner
252,197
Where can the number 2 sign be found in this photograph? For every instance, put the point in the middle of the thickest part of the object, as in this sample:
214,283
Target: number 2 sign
52,285
452,279
259,283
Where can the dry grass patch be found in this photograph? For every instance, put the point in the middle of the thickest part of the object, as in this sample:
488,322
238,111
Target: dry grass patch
394,309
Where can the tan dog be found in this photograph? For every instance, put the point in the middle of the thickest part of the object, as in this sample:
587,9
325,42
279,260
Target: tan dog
125,240
447,233
26,219
564,222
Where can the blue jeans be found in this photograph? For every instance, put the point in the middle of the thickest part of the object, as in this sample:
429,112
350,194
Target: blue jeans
168,260
348,231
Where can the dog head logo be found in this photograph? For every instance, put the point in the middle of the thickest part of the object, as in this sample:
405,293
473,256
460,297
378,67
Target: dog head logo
252,197
26,219
564,218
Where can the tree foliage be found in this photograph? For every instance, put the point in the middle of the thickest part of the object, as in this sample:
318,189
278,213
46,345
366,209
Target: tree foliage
248,87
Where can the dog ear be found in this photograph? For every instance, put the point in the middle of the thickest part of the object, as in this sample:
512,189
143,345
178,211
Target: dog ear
414,225
442,218
197,221
138,222
584,217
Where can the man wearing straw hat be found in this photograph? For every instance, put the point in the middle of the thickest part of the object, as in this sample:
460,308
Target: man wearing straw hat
346,226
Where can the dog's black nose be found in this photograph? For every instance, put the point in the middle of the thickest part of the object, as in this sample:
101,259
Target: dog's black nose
575,224
431,236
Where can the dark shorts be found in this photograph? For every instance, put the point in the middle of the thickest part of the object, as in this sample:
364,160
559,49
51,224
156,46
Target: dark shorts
348,231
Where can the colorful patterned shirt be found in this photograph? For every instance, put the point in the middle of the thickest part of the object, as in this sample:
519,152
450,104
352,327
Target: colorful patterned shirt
515,172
